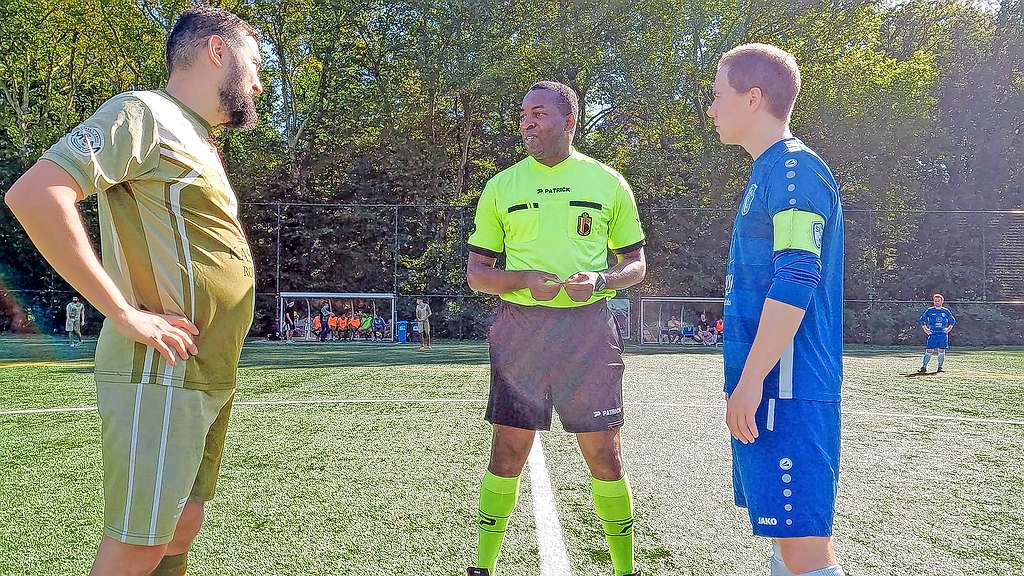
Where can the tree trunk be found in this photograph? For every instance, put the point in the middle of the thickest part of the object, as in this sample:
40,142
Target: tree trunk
466,101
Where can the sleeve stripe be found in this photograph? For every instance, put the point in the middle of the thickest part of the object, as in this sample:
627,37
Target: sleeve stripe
483,251
584,204
631,248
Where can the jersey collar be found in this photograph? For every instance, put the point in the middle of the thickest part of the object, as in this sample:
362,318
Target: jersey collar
192,115
768,157
557,168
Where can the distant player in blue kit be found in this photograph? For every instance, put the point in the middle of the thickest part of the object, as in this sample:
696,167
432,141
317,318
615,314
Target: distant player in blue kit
937,322
783,316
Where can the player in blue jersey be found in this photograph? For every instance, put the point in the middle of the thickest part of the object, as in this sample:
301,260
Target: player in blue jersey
783,316
937,322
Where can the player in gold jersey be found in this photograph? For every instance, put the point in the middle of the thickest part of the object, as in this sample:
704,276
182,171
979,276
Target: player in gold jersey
175,284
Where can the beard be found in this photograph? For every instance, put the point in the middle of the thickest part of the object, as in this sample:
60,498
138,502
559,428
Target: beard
239,106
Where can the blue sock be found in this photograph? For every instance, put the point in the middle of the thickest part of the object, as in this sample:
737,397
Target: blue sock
927,359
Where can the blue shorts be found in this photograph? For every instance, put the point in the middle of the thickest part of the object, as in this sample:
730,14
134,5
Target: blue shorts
938,340
787,479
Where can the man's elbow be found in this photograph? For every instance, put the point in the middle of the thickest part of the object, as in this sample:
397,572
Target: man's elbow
15,198
471,279
641,271
637,268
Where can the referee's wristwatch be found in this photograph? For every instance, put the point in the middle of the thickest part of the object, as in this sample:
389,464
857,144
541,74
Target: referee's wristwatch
601,283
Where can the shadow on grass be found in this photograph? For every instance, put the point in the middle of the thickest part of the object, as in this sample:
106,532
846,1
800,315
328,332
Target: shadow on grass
868,351
349,354
665,349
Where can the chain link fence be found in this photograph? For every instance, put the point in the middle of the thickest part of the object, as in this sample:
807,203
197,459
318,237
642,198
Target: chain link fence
895,261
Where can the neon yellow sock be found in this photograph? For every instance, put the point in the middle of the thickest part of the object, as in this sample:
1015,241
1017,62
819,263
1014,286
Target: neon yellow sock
613,502
171,566
498,496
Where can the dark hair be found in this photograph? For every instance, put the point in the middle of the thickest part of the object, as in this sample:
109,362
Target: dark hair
570,102
195,26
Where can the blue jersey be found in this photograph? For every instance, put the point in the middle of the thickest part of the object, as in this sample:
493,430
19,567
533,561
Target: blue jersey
937,319
787,245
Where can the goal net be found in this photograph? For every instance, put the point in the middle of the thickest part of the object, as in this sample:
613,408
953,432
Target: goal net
680,321
337,317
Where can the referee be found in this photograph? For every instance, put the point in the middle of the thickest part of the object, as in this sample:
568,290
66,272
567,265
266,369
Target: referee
554,342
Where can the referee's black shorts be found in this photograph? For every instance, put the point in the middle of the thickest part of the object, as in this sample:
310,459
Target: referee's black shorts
566,358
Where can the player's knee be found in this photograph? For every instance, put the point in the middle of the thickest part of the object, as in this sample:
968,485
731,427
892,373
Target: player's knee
802,555
189,523
506,465
608,471
603,453
605,464
128,559
509,451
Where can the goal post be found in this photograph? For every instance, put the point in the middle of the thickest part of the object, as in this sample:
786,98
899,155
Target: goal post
306,308
656,313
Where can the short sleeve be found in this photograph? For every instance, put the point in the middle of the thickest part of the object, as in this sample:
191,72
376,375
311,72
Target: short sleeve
116,144
488,237
625,234
800,198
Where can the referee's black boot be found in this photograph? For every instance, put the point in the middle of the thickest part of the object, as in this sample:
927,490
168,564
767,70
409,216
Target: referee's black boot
637,573
474,571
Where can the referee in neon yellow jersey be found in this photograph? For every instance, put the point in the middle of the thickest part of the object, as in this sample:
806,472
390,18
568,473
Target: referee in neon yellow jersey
554,343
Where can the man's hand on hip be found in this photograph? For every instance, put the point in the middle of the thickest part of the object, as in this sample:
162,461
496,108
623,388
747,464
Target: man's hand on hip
172,336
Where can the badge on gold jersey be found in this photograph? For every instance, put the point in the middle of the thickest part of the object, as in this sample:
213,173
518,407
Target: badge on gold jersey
583,224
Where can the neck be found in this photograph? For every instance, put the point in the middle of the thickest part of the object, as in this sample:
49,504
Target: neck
198,100
554,157
762,137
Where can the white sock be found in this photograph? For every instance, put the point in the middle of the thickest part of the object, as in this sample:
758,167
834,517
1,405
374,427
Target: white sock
942,358
833,570
926,360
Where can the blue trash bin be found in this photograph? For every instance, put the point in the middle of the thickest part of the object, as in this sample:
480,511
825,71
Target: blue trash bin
403,331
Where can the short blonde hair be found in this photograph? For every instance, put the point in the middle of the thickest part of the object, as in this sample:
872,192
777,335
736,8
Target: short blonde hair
769,68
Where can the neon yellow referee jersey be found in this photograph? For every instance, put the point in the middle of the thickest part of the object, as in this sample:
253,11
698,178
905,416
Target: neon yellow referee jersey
561,219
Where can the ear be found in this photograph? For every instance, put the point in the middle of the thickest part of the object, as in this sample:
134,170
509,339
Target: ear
754,98
216,50
570,122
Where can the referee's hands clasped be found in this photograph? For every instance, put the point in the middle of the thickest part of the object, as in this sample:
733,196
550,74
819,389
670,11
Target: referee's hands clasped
543,285
580,286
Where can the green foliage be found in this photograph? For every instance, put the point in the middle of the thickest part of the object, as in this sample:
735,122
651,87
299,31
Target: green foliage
916,105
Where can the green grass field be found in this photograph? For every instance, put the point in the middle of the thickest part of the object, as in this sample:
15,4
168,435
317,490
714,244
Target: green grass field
931,485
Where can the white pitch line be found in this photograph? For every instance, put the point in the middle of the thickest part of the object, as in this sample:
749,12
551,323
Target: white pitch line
361,401
60,410
554,559
329,401
968,419
898,415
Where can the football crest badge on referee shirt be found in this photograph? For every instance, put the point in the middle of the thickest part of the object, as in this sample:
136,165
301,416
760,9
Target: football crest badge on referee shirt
583,224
